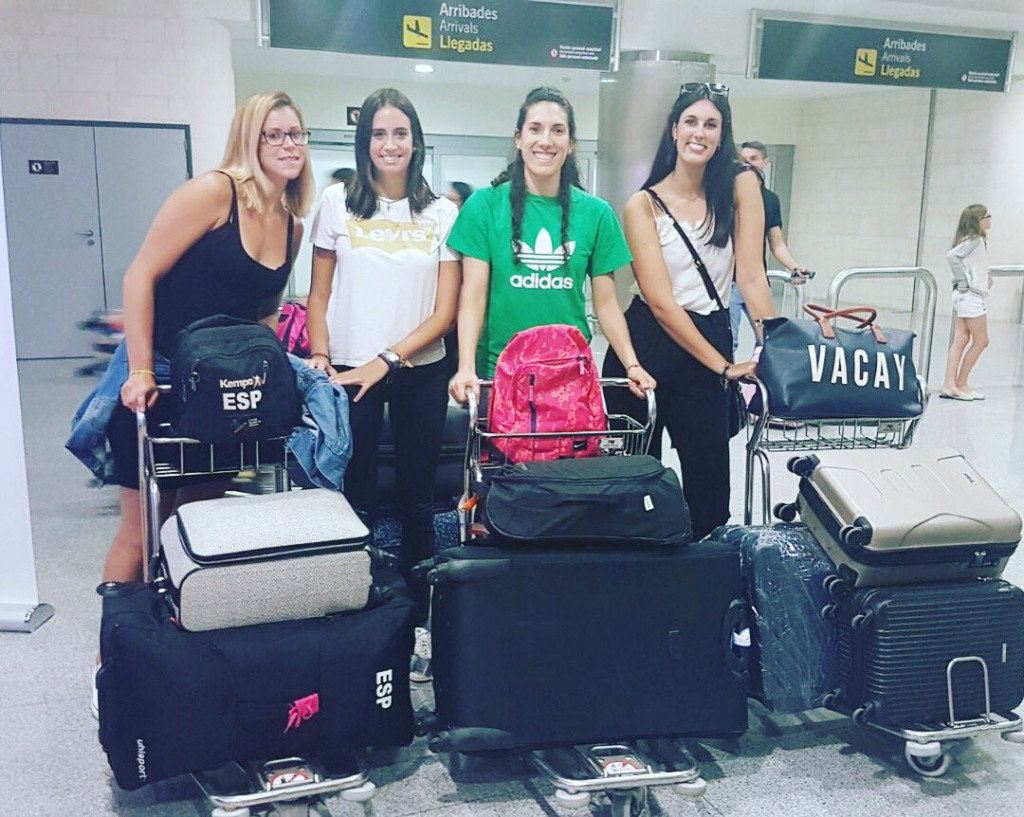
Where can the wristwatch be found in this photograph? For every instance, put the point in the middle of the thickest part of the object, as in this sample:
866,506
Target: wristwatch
392,358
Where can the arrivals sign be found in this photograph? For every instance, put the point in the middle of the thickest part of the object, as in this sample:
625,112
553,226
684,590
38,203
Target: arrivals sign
873,53
505,32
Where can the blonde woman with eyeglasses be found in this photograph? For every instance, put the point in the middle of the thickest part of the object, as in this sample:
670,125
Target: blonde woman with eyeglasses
968,261
222,243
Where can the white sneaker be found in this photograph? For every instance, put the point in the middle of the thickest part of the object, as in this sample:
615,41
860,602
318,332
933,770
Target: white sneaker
419,666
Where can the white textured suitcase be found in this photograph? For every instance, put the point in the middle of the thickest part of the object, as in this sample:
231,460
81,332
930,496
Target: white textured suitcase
904,516
238,561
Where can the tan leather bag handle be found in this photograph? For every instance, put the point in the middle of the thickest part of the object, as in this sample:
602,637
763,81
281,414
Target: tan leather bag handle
864,315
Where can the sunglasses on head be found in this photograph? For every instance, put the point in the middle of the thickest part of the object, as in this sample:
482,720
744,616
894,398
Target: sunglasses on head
705,89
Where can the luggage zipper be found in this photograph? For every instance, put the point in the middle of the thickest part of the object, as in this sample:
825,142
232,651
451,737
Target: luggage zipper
533,405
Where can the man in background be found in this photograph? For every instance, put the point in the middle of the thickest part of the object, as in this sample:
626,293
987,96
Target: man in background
755,154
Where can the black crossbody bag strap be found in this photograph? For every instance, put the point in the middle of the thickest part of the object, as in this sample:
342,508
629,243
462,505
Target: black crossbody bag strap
697,260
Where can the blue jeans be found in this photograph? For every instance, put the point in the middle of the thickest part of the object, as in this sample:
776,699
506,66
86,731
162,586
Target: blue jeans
737,308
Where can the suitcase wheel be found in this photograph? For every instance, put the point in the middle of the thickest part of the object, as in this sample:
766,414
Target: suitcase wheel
802,466
853,536
828,612
927,759
830,700
861,620
786,511
835,586
862,714
693,789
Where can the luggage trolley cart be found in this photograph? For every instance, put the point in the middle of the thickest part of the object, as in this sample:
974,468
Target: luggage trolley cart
620,772
288,787
768,434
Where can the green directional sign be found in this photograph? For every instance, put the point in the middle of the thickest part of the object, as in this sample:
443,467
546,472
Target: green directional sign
505,32
872,53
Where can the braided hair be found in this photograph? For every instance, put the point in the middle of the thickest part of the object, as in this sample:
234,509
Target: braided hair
515,173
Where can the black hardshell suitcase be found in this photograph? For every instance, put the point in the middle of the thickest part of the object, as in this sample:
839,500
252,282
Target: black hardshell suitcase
173,702
896,645
536,648
793,654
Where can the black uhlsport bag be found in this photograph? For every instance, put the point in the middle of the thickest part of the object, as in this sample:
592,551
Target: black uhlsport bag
814,370
632,501
173,702
231,382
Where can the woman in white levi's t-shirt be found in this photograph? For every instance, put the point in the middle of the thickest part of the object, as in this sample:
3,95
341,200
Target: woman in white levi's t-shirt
680,324
384,291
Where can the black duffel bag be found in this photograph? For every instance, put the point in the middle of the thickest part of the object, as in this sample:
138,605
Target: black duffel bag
814,370
231,382
632,501
173,702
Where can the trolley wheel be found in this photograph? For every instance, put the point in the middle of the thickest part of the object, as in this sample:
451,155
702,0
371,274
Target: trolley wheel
830,700
786,511
801,466
927,759
628,802
1015,736
694,789
572,799
235,812
359,794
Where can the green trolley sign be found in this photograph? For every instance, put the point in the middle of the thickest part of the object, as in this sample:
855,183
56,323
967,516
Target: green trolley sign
865,52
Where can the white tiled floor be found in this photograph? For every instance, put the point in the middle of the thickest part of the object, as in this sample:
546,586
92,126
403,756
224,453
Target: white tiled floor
812,764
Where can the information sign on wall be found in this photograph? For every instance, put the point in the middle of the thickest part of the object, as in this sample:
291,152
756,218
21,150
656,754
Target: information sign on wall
874,53
505,32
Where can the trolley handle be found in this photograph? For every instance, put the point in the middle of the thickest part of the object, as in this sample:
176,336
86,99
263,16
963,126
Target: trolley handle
619,382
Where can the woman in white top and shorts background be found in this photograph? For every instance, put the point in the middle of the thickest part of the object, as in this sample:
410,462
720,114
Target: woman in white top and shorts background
968,261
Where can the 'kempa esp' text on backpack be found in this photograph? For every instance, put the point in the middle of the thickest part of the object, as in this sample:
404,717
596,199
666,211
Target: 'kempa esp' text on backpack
546,381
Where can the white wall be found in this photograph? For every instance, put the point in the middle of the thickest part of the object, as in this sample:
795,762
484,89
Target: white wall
443,109
772,121
118,60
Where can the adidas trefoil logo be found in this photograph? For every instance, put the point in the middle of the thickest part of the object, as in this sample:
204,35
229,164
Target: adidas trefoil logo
543,257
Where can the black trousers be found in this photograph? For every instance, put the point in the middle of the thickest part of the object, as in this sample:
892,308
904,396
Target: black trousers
417,401
691,404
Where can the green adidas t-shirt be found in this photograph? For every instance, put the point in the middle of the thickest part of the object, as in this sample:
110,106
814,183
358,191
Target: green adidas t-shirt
541,288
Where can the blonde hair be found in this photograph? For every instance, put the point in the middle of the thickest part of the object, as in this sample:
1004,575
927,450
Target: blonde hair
241,156
969,225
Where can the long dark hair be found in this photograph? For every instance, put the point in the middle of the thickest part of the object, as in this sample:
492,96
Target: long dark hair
719,173
362,195
515,172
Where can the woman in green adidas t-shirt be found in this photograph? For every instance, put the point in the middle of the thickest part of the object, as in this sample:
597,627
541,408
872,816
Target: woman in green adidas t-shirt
529,242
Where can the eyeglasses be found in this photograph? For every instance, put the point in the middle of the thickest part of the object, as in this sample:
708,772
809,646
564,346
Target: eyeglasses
987,215
275,138
705,89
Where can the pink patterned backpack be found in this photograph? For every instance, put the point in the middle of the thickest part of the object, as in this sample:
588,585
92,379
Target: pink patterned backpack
546,381
291,329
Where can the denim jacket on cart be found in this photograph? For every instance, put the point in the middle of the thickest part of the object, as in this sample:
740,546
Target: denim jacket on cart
88,440
322,447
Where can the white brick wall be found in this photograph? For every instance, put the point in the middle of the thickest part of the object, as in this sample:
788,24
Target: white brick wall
124,60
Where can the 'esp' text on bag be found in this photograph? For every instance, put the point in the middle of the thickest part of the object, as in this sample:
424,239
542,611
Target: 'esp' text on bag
861,370
384,688
242,394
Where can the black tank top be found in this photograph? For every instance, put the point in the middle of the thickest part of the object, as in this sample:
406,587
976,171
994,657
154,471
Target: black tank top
215,276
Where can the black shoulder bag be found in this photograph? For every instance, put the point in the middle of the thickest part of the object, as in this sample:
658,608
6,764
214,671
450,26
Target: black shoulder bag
737,406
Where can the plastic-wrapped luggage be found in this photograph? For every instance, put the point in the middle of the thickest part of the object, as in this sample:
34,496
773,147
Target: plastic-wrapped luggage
173,702
793,662
536,648
906,654
904,516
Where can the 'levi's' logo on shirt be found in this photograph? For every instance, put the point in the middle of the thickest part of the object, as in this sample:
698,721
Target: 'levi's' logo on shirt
391,236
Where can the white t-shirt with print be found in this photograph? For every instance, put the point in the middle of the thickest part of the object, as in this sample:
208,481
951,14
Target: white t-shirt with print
385,279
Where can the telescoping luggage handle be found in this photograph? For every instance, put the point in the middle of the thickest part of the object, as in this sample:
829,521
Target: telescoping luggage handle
865,315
